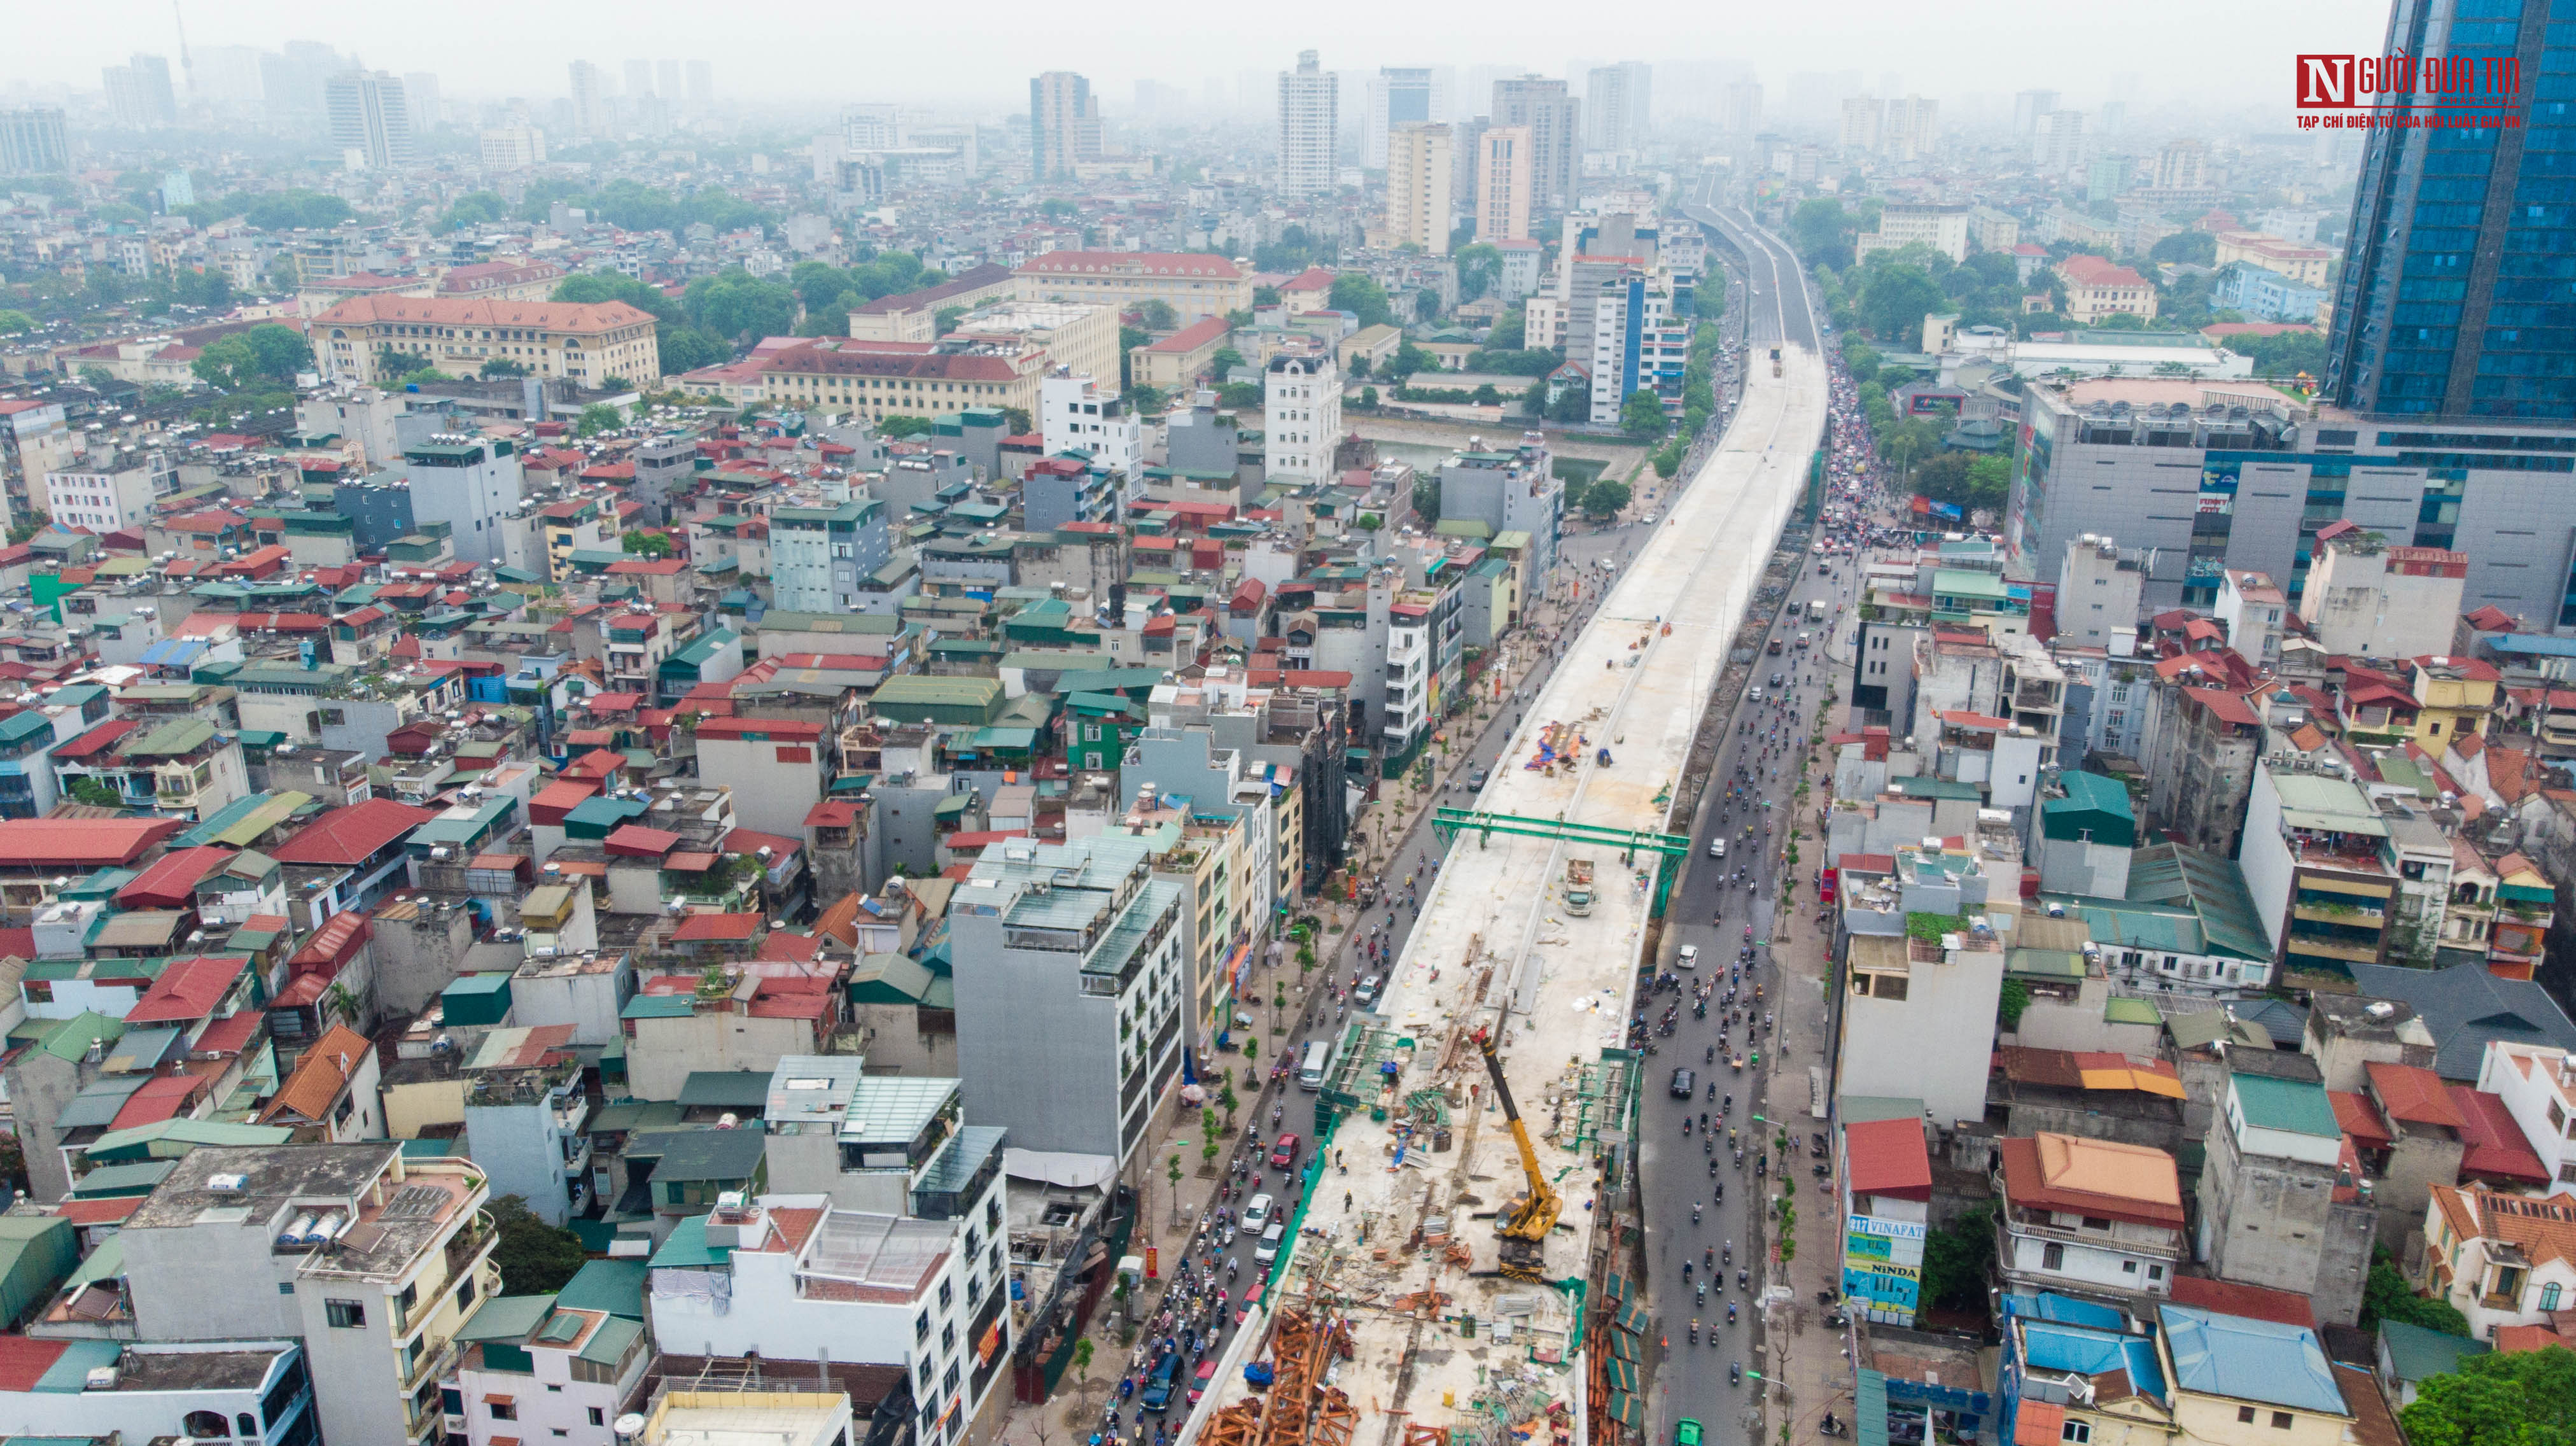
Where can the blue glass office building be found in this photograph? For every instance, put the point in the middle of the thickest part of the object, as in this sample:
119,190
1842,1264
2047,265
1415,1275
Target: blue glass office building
2458,294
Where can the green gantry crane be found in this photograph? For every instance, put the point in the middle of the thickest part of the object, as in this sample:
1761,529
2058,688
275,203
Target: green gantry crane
1448,823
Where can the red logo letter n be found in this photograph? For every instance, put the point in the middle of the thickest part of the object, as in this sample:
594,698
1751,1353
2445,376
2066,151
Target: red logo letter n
2325,80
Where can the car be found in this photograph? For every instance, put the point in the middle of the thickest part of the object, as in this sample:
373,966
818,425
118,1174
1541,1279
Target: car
1689,957
1650,518
1683,1083
1686,1432
1717,848
1268,1250
1201,1379
1781,680
1366,995
1284,1154
1256,1213
1476,777
1158,1388
1752,695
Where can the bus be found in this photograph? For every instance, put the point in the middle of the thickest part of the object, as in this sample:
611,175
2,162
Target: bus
1318,1061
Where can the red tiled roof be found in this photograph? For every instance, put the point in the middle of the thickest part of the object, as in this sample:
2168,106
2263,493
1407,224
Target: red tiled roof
584,318
635,841
1191,338
80,843
170,881
2412,1095
705,928
352,835
2254,1302
2493,1145
773,730
159,1099
188,989
23,1362
2356,1116
98,1212
2026,1184
1887,1157
2038,1423
1132,263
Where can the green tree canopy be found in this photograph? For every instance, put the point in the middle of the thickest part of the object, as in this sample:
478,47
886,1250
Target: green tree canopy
898,428
646,544
599,417
1510,333
13,322
2195,248
535,1258
1642,415
1535,362
596,286
1605,498
740,306
296,208
1894,301
474,208
1479,267
2525,1398
1955,1260
1358,294
1159,316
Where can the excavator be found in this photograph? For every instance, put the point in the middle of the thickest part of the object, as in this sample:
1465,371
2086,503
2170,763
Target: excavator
1527,1220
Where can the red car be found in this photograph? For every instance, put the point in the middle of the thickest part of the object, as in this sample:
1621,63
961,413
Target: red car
1200,1380
1284,1154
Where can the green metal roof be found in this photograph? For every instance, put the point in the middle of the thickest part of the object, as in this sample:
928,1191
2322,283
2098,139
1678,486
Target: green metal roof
687,1247
726,1089
2415,1353
506,1318
615,1286
2093,804
2297,1106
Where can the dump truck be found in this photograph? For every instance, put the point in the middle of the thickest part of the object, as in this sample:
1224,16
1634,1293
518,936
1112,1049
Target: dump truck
1578,886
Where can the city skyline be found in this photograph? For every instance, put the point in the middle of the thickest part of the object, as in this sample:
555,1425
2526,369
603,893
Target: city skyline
1993,59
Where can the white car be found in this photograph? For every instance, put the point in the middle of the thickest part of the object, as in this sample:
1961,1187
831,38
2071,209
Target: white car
1717,848
1689,957
1257,1213
1268,1250
1650,518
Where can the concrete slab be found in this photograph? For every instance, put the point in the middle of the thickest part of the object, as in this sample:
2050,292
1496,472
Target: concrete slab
1383,1233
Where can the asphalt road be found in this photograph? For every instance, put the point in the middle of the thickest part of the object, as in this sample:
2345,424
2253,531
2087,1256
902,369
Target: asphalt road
1752,294
1713,910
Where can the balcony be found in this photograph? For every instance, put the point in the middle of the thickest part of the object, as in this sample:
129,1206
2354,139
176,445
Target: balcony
2330,913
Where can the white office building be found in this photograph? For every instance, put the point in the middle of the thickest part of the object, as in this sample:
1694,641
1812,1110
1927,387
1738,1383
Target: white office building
1309,124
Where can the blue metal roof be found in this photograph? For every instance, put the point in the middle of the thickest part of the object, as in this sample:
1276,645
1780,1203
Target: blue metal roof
2251,1360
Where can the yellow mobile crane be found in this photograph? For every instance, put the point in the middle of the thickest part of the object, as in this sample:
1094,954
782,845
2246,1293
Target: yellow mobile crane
1526,1222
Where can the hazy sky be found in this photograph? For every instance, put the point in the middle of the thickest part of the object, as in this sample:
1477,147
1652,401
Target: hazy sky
978,56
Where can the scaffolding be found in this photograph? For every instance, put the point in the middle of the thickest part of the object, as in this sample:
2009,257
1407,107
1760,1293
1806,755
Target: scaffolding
1298,1408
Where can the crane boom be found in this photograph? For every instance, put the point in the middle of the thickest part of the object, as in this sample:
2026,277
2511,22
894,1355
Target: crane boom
1526,1223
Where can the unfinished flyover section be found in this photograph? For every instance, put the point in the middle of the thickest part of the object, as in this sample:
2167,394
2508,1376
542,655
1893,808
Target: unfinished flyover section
1394,1251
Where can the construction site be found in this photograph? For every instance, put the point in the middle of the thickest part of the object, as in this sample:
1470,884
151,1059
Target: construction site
1455,1275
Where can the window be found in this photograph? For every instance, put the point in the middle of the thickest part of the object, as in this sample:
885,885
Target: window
287,1287
2096,1222
2283,1420
2549,1296
2128,1267
503,1411
345,1313
2052,1256
947,1294
2245,1415
2155,1272
598,1417
2078,1432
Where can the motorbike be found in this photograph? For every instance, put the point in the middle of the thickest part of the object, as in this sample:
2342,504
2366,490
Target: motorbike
1734,1373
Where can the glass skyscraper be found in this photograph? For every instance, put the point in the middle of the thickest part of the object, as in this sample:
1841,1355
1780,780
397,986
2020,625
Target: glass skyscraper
2458,292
